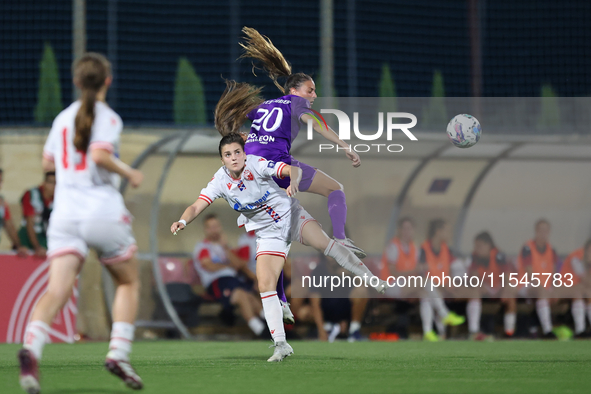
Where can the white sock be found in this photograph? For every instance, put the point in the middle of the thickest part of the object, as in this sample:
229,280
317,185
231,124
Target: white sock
578,311
588,307
509,321
426,311
354,326
121,340
273,315
347,259
36,337
256,326
439,306
543,309
474,310
440,326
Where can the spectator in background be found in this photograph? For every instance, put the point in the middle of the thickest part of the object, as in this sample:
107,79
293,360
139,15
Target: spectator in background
37,204
578,264
537,256
436,259
218,266
486,259
6,222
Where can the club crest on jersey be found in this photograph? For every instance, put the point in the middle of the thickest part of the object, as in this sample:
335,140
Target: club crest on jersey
248,175
241,185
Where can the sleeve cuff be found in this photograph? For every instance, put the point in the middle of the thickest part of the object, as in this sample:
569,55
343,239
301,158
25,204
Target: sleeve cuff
279,169
205,198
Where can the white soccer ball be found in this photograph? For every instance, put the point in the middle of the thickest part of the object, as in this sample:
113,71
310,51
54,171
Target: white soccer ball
464,131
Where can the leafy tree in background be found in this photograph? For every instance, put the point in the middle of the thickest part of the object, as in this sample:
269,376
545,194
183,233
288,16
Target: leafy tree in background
189,96
49,96
388,102
549,110
435,114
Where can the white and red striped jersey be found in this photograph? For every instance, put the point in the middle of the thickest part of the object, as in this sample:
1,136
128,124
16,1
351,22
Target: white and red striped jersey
217,255
84,190
255,195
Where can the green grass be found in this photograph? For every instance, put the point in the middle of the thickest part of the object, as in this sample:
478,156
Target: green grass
364,367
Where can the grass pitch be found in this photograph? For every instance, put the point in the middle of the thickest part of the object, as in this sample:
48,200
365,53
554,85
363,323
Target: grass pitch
365,367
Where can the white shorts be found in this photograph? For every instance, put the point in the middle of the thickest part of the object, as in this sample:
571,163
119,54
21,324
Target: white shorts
276,240
112,239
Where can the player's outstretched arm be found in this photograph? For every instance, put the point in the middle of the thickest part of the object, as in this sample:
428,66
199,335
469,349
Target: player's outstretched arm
189,215
330,135
295,174
105,159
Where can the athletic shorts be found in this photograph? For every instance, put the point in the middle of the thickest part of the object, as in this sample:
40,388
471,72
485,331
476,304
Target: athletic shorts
113,240
276,240
221,289
308,173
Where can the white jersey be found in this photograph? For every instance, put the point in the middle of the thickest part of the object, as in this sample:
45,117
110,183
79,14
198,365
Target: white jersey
255,195
84,190
217,255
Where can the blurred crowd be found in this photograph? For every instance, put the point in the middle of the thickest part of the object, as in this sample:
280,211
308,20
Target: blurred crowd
226,274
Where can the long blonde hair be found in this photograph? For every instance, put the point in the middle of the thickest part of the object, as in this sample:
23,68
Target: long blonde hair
234,105
90,73
272,61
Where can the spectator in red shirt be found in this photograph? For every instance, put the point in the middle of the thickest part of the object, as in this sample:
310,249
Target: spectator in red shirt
37,204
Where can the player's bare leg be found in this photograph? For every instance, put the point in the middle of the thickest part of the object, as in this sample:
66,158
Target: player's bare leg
125,308
314,236
249,309
268,269
62,275
337,208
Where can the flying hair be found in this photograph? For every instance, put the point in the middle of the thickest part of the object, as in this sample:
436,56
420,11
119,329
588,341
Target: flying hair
234,105
259,47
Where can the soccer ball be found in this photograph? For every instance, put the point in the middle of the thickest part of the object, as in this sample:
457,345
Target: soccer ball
464,131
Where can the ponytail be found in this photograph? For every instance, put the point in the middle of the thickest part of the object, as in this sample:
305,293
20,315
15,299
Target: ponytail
261,48
90,74
234,105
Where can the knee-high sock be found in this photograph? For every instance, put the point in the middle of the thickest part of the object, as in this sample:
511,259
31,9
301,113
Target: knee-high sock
588,308
337,209
509,322
578,311
280,289
440,307
543,309
36,337
474,310
426,311
273,315
346,259
121,339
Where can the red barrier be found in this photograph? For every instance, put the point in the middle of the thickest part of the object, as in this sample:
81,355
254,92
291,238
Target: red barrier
22,282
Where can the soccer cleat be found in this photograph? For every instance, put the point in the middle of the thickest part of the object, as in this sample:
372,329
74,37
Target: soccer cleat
349,244
452,319
282,350
288,317
549,335
29,375
355,336
563,333
431,336
381,287
125,372
480,336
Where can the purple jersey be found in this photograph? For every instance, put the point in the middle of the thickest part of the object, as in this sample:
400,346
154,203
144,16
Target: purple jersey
275,124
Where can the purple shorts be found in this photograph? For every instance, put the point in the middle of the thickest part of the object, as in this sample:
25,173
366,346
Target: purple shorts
308,173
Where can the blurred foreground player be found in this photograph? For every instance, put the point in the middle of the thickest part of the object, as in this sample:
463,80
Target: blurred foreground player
246,183
89,211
